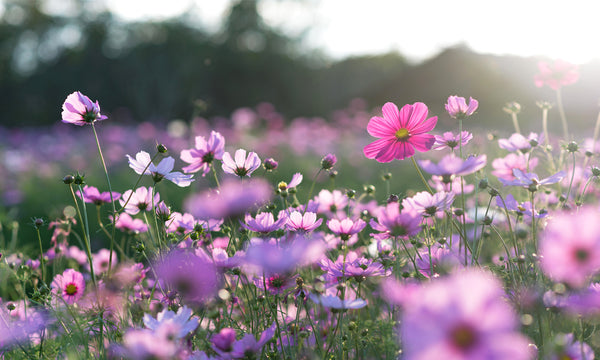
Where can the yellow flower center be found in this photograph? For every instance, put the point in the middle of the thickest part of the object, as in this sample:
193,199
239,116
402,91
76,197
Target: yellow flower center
402,134
71,289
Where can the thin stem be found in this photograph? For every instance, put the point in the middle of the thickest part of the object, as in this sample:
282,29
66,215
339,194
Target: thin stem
515,121
86,234
561,111
545,126
42,261
421,175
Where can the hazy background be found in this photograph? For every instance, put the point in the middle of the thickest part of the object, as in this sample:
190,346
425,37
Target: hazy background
164,60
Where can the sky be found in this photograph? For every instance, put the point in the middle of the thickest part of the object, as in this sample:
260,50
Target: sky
418,29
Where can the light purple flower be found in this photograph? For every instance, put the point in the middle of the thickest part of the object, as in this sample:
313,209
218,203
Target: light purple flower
228,348
263,223
242,166
392,222
142,164
457,107
233,199
334,302
453,165
346,227
518,142
425,203
204,153
524,208
503,167
463,316
271,258
296,180
530,180
451,141
78,109
569,348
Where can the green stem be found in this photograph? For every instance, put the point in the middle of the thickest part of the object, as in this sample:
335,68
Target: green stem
42,261
421,175
561,111
86,234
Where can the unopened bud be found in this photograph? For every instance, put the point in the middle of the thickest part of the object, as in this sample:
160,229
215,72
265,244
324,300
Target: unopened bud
328,161
69,179
270,164
161,148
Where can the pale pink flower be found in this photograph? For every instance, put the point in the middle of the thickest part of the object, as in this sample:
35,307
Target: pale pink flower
457,107
142,164
242,165
78,109
140,200
400,132
556,75
346,227
452,165
306,222
451,141
427,204
503,167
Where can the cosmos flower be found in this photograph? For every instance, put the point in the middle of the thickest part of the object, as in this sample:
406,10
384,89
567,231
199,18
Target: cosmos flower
69,285
140,200
531,181
400,132
225,344
451,141
463,316
427,204
201,157
334,302
570,247
263,223
518,142
242,165
92,195
142,164
503,167
78,109
568,348
306,222
556,75
452,165
183,320
457,107
346,227
391,222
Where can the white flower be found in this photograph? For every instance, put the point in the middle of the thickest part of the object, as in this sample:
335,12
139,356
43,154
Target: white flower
142,164
181,322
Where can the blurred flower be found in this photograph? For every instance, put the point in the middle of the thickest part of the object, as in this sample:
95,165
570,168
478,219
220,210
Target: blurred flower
92,195
449,140
346,227
400,132
142,164
78,109
306,222
392,222
126,223
556,75
457,107
334,302
570,247
454,165
503,167
101,259
531,181
242,166
463,316
568,348
270,164
328,161
263,223
427,204
69,285
332,203
205,152
523,209
271,258
194,278
233,199
518,142
227,347
19,329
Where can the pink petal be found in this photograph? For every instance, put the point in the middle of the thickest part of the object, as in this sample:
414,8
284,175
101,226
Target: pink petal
424,126
417,116
375,147
381,127
422,142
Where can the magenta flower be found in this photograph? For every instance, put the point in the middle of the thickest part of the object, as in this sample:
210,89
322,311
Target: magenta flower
78,109
570,247
284,258
204,153
351,266
140,200
242,166
101,259
92,195
328,161
142,164
227,347
306,222
400,132
346,227
457,107
451,141
296,180
453,165
462,317
556,75
69,285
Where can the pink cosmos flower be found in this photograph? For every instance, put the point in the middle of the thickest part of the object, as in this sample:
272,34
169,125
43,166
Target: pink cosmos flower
306,222
225,344
128,224
503,167
439,183
531,181
242,166
92,195
296,180
271,258
451,141
400,132
204,153
346,227
263,223
140,200
350,266
454,165
521,209
568,348
142,164
69,285
101,259
518,142
457,107
570,247
78,109
556,75
392,222
331,203
462,317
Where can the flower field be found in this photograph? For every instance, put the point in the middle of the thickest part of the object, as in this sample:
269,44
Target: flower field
372,234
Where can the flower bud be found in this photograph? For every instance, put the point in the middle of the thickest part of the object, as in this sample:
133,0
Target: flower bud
387,176
512,107
161,148
333,174
393,198
328,161
79,179
350,193
483,184
370,189
270,164
68,179
38,222
572,147
595,171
